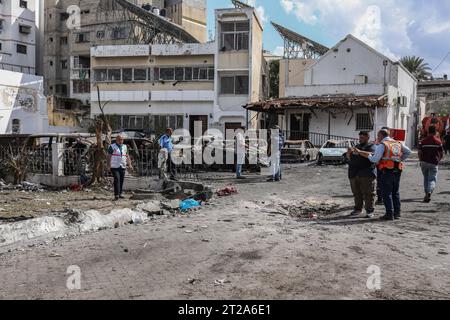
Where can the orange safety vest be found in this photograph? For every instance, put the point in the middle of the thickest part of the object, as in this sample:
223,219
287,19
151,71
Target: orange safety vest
392,155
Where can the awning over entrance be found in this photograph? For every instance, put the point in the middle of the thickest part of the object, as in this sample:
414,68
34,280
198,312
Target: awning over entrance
320,103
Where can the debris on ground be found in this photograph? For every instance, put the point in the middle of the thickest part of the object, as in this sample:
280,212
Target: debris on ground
151,208
171,205
309,208
189,204
24,186
227,191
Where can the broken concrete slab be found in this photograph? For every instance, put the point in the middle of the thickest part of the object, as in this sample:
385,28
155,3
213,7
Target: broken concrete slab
151,208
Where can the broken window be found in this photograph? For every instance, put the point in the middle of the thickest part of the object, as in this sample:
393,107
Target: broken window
82,37
234,85
119,33
15,126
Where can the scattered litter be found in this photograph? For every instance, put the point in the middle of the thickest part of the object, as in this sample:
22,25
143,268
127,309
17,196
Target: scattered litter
193,280
189,204
227,191
136,218
54,255
205,240
189,231
220,282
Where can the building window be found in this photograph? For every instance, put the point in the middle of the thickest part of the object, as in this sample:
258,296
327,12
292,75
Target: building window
81,86
127,75
15,126
100,34
63,40
161,122
61,89
167,74
1,25
24,29
100,75
118,33
64,64
21,49
82,37
140,74
364,122
235,36
234,85
23,4
184,73
114,74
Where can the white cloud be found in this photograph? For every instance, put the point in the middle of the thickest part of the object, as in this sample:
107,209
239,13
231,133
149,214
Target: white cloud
288,5
260,10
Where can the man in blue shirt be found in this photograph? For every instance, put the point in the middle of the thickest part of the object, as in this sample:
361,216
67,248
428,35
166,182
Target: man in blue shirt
389,155
166,142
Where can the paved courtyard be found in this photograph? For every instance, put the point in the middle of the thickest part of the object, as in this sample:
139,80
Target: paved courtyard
245,247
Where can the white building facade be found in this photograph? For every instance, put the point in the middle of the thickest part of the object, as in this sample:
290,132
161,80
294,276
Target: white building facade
352,68
23,106
19,35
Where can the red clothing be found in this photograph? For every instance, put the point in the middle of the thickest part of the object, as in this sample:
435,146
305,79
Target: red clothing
431,150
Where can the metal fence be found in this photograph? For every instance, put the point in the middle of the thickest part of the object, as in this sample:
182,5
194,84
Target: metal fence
317,139
36,160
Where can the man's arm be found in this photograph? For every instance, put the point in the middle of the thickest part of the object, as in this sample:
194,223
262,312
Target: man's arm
406,152
374,158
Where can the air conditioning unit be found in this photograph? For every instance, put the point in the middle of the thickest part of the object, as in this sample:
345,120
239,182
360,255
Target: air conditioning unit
361,79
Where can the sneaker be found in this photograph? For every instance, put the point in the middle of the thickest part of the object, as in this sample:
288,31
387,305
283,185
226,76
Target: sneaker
370,215
270,180
121,197
388,217
116,198
427,198
355,213
397,216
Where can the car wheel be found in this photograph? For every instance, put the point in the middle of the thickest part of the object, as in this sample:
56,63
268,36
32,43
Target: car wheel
319,160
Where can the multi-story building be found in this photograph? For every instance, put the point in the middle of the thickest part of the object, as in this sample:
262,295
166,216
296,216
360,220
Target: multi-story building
71,29
19,35
159,86
436,94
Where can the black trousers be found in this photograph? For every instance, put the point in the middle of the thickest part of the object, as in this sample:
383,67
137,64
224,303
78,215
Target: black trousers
119,178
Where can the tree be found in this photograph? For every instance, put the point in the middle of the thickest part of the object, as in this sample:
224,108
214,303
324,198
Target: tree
274,79
417,66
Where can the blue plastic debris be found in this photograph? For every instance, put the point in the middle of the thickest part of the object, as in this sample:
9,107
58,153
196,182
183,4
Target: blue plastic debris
189,204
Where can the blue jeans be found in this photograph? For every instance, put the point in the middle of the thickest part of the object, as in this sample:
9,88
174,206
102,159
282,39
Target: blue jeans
238,170
390,189
430,173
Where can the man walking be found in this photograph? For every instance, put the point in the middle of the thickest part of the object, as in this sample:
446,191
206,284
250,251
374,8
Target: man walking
166,145
431,153
389,155
363,175
276,144
118,160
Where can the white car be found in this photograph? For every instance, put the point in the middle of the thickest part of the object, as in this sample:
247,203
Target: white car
334,151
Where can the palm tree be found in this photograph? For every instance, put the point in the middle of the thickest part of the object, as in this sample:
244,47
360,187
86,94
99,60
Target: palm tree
417,66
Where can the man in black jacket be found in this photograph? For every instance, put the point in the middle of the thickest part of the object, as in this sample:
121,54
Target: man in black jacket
363,176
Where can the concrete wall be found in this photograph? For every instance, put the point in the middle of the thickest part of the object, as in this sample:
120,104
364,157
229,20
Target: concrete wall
292,74
21,97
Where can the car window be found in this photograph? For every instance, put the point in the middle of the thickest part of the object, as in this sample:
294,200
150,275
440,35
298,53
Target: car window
332,145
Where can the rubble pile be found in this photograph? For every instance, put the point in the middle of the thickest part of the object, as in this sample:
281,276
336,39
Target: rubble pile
24,186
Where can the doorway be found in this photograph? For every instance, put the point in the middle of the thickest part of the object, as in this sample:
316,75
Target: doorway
193,119
299,126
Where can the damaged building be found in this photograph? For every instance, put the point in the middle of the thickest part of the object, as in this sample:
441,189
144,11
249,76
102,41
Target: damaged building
175,85
71,29
341,91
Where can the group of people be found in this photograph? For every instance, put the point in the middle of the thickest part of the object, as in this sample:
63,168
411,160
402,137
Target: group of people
376,168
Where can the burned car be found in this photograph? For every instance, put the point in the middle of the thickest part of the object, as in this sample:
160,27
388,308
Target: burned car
298,151
334,151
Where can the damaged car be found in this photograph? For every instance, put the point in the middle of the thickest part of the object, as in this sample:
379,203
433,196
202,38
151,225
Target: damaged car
334,151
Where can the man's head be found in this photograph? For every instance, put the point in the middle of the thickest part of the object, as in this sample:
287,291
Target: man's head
432,131
169,132
382,134
120,138
364,137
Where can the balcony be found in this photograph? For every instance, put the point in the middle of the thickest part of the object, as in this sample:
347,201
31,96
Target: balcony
80,74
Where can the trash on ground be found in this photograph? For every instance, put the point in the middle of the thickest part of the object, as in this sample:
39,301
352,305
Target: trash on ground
227,191
189,204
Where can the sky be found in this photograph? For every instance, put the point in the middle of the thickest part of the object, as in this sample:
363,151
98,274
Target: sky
396,28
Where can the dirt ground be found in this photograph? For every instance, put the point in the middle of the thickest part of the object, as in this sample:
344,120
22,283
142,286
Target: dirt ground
258,244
